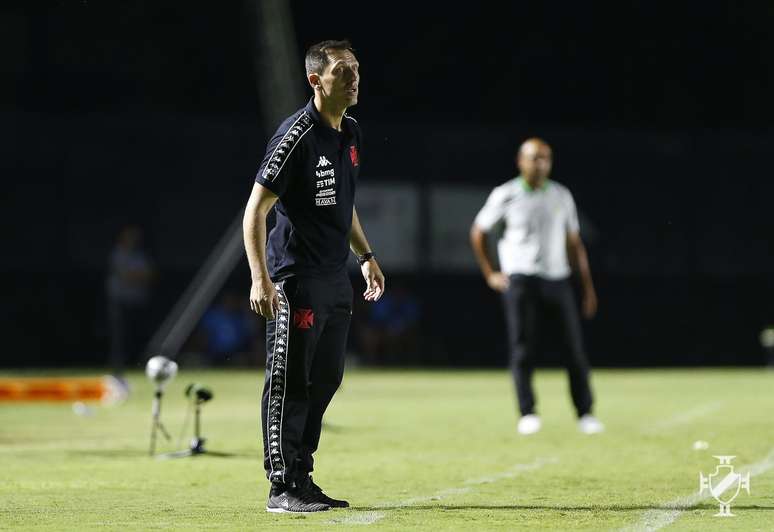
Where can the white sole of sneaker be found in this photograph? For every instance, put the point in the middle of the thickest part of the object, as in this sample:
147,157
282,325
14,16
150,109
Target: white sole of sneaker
284,511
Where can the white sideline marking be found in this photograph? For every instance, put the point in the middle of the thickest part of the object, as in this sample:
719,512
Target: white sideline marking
515,471
653,520
685,417
370,517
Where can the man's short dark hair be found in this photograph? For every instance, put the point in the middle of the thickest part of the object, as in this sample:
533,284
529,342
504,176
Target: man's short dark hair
317,55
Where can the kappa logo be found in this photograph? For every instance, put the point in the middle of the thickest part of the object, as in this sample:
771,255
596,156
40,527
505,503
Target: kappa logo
354,156
323,162
303,318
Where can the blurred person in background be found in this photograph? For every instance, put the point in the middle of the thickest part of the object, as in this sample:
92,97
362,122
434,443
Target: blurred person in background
229,330
299,273
131,274
539,247
389,332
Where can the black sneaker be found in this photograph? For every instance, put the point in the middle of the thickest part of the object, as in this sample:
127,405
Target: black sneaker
284,499
309,484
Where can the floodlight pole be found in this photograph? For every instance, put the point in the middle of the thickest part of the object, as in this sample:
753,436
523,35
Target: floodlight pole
280,83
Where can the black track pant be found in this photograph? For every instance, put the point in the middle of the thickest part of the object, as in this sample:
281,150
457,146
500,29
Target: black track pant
536,308
305,348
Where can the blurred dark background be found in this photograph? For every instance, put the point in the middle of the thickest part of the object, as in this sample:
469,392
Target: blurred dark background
147,113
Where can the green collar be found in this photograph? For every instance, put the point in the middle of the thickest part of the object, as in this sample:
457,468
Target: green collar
527,186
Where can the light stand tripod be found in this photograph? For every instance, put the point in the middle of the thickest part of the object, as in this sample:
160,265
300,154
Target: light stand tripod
198,395
159,370
197,443
156,423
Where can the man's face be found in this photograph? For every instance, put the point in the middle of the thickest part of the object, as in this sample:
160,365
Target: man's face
535,160
340,79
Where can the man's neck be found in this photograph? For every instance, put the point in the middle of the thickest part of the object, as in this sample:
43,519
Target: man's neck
330,115
535,183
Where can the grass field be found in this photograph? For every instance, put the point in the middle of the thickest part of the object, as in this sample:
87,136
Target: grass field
410,450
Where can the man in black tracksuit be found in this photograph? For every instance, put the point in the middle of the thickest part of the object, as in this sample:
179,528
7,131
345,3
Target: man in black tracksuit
299,278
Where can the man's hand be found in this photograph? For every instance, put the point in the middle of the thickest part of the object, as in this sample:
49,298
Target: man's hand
589,303
263,298
374,279
498,281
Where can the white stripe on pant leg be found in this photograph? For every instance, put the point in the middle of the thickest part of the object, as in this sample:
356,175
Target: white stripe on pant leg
284,312
277,384
268,404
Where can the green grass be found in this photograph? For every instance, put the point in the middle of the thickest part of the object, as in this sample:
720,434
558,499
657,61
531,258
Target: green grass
410,449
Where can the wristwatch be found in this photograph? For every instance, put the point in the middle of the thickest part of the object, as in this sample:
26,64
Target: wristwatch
365,257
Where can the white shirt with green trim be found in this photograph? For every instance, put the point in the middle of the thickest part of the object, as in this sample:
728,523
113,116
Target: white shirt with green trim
536,224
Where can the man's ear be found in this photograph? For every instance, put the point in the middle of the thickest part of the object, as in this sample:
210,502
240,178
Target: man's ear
314,80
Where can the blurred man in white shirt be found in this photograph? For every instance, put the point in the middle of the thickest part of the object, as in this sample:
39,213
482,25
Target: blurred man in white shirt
538,250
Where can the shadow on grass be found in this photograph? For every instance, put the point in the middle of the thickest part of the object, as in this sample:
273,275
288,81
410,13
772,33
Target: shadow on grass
559,508
136,453
333,428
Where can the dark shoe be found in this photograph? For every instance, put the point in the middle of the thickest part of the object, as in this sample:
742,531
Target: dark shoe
283,499
309,484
